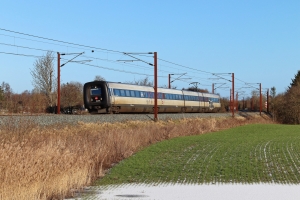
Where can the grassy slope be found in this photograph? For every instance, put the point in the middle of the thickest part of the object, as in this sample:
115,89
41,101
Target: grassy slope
246,154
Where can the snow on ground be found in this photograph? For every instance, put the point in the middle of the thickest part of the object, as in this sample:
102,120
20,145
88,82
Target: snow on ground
206,192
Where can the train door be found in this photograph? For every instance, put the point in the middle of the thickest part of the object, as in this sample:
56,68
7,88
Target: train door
202,102
112,96
199,102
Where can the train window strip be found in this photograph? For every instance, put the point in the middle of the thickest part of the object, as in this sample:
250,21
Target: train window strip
167,96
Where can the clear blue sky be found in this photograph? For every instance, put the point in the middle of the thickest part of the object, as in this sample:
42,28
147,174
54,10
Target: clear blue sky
257,40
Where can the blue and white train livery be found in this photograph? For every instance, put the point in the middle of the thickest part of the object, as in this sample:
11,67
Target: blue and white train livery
110,97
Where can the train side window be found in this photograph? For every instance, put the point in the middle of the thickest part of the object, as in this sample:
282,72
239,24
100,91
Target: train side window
132,93
142,94
167,96
137,93
116,92
122,92
127,93
160,95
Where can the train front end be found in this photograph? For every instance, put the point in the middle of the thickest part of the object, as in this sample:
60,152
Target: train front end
96,96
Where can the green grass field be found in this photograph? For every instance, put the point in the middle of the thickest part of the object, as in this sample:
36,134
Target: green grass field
265,153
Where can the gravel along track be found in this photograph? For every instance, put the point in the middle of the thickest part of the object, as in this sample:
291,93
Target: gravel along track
98,118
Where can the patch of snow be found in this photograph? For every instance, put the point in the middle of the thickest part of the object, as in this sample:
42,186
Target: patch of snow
191,192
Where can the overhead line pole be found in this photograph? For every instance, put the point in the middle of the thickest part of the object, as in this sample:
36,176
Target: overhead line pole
260,99
170,80
155,87
58,83
232,90
58,76
268,101
155,109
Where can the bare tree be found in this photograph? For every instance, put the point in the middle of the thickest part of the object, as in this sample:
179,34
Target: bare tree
1,94
7,96
166,86
71,94
43,76
99,78
144,81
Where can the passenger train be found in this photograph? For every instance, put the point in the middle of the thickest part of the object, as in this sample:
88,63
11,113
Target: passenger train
110,97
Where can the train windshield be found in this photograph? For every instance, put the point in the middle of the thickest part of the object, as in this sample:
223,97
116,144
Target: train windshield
96,91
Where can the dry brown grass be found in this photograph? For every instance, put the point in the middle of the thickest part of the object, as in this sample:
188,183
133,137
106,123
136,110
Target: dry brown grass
51,162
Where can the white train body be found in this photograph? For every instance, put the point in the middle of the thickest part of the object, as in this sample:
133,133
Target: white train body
109,97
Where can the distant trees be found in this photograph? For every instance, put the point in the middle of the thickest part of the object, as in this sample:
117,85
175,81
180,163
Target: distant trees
6,99
72,94
99,78
43,77
144,81
287,105
296,81
1,94
196,89
26,102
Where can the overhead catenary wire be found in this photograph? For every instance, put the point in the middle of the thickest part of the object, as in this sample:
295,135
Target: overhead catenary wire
54,40
86,46
18,54
80,46
98,66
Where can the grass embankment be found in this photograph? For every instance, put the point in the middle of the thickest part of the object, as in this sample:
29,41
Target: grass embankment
260,153
49,162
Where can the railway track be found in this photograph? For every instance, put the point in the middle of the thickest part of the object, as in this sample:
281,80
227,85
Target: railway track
48,119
